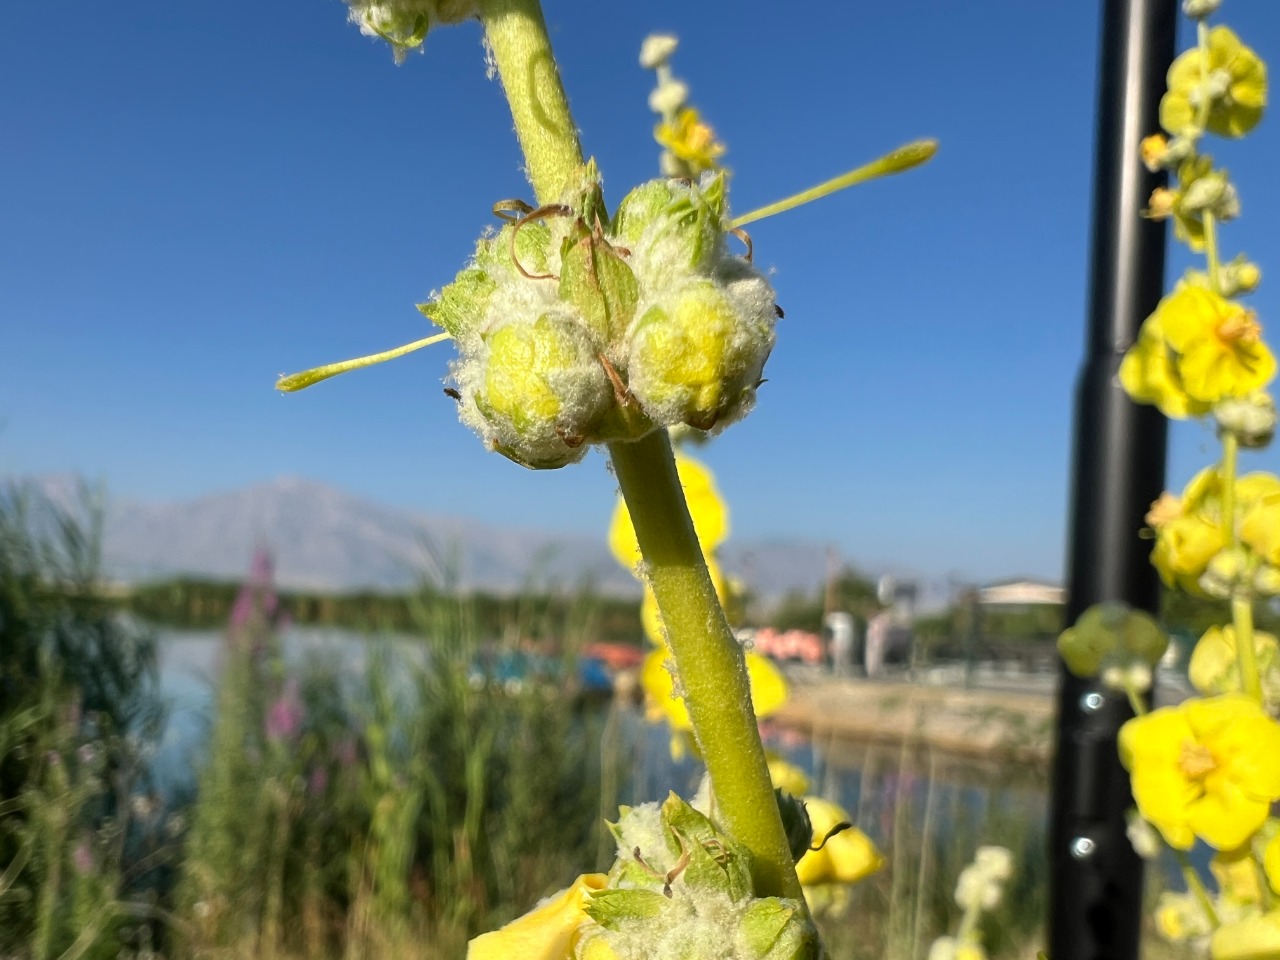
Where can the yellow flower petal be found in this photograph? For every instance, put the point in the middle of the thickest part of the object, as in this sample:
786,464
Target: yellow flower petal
1208,768
690,139
1237,874
1260,528
1238,110
706,507
1184,548
1254,937
787,777
547,932
1214,667
1148,375
768,688
1217,345
847,857
651,616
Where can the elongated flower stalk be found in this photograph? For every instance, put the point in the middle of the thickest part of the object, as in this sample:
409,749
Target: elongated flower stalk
1207,770
576,328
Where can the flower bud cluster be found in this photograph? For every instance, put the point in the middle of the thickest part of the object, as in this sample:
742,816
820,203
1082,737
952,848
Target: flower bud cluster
1194,549
981,884
1200,350
404,23
979,889
574,329
1115,642
1144,838
681,887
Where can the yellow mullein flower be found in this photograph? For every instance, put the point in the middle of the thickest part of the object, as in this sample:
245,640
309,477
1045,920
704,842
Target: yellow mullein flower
1188,217
1260,527
691,140
1154,149
651,616
1237,875
706,506
1218,343
1179,917
768,688
1194,351
1148,375
845,858
1188,530
787,777
1214,667
1236,70
1206,768
1184,548
547,932
1253,937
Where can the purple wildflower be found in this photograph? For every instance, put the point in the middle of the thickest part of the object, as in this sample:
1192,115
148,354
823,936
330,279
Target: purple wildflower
284,717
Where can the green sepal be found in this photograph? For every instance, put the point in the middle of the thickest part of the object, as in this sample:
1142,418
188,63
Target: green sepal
667,212
712,189
461,306
596,281
612,908
588,206
639,208
532,248
716,861
776,929
621,422
1111,633
570,455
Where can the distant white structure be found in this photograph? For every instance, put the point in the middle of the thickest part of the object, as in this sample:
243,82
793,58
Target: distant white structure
843,640
1021,593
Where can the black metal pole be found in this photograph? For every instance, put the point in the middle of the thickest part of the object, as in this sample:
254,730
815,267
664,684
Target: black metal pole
1118,470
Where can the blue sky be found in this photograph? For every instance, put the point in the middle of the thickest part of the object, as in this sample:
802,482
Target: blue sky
196,198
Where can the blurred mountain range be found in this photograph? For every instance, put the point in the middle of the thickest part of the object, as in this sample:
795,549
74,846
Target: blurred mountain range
326,539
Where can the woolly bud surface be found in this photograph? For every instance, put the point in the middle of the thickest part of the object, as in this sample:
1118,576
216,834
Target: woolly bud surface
573,331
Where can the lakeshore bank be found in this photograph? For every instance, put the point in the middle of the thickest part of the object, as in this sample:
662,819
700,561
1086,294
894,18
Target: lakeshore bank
966,721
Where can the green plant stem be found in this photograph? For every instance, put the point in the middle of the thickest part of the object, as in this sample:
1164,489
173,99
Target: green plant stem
517,36
1260,872
1242,620
1136,703
711,666
1211,250
709,659
1196,887
1230,456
